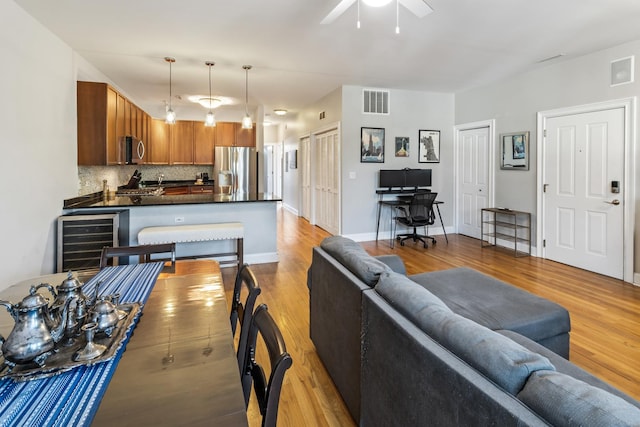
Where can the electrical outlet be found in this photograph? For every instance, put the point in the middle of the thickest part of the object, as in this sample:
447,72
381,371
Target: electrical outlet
179,219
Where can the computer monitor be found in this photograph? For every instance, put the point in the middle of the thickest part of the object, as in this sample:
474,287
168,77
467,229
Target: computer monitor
390,178
417,178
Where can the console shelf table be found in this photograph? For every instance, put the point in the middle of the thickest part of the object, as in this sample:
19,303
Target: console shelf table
507,225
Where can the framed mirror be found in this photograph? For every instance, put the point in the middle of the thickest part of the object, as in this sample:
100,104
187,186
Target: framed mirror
514,148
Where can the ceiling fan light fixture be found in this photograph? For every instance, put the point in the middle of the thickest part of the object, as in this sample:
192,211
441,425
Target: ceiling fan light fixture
210,103
376,3
280,112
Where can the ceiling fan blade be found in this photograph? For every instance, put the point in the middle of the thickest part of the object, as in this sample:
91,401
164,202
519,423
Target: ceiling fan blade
337,11
419,7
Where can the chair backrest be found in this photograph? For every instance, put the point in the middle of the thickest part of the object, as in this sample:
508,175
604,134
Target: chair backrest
267,391
421,208
242,313
143,252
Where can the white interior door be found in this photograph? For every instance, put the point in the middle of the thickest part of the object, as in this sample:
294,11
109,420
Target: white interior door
305,178
583,217
327,181
473,179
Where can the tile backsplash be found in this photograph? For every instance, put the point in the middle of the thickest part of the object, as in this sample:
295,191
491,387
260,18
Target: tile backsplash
90,177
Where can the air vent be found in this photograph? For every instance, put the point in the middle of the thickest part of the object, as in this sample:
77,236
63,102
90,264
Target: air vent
375,101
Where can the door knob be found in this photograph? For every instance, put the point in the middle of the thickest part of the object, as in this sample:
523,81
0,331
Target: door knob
614,202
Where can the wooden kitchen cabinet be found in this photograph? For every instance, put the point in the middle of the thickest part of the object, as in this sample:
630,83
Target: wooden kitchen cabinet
201,189
97,124
231,134
176,191
158,145
181,143
203,143
245,137
225,134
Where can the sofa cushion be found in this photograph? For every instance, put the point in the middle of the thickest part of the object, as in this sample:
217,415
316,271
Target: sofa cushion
354,258
495,304
564,400
405,295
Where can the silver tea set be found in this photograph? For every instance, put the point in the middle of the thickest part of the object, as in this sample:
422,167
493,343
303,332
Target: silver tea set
41,329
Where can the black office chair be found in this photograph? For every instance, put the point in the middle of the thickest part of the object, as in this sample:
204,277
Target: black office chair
267,392
419,213
242,313
143,252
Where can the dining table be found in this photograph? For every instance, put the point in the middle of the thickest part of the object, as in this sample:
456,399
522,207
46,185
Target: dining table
176,366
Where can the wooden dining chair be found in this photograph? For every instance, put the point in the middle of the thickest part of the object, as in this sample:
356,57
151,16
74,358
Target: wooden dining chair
241,313
267,391
143,252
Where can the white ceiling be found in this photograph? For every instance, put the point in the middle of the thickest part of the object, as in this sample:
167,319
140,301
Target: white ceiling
296,61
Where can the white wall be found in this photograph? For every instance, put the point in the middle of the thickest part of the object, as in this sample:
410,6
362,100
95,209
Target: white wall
515,102
410,111
38,141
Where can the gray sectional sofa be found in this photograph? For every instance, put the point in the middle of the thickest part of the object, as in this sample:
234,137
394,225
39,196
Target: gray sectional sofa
453,347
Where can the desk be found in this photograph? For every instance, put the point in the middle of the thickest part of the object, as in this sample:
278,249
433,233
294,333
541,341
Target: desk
180,367
403,199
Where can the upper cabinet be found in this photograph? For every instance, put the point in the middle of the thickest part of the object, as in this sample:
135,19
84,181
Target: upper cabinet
158,144
204,141
97,124
104,115
181,142
231,134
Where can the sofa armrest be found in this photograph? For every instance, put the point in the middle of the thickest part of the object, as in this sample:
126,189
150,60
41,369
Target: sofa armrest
394,262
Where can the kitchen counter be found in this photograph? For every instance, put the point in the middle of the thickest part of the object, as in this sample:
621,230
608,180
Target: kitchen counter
256,213
96,200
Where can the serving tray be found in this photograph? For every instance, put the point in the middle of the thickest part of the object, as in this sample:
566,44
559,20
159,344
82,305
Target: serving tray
62,358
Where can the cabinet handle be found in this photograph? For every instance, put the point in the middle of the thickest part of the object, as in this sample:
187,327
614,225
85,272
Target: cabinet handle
140,149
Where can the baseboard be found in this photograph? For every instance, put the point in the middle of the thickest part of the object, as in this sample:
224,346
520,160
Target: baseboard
290,208
636,279
386,234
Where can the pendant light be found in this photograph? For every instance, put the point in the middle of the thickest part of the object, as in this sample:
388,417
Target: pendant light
210,120
246,120
171,116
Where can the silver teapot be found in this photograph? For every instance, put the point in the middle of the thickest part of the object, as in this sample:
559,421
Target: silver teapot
105,314
69,290
33,337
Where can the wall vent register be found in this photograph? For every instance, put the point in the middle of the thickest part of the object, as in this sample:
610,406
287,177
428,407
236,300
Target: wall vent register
375,101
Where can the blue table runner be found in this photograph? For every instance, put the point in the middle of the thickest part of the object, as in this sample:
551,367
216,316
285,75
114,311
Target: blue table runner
72,398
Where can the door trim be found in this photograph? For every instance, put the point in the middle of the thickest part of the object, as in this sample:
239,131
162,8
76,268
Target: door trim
457,129
629,191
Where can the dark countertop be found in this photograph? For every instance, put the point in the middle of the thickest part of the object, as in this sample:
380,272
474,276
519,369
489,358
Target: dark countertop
95,200
174,183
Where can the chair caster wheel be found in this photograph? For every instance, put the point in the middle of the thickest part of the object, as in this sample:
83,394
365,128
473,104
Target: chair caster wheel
401,243
425,245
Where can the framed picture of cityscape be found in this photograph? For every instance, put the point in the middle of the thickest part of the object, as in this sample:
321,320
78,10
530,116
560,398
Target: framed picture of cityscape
371,145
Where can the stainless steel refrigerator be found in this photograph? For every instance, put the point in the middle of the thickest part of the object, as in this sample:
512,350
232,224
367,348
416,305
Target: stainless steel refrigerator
235,171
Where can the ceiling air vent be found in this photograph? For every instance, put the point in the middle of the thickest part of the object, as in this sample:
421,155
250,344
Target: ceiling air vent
375,101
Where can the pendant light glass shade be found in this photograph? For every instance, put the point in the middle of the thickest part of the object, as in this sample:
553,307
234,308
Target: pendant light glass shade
246,120
171,115
210,119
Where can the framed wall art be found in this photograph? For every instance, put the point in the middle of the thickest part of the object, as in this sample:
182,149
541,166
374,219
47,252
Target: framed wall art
371,145
514,148
402,146
429,146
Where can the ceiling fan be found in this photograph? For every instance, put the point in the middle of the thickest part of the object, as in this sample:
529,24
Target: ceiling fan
418,7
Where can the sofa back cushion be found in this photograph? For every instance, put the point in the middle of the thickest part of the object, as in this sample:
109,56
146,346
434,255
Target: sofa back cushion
354,258
563,400
502,360
405,295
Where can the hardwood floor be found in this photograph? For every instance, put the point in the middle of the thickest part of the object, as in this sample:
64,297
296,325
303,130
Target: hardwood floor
605,313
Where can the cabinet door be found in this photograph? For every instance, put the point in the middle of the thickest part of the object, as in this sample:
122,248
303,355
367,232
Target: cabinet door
159,143
127,117
113,150
120,116
203,143
175,191
245,137
92,123
181,143
225,134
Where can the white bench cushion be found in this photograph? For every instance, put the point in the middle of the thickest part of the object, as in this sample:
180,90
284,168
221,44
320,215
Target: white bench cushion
191,233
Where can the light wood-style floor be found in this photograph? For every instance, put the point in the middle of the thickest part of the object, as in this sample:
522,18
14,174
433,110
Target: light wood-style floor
605,313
